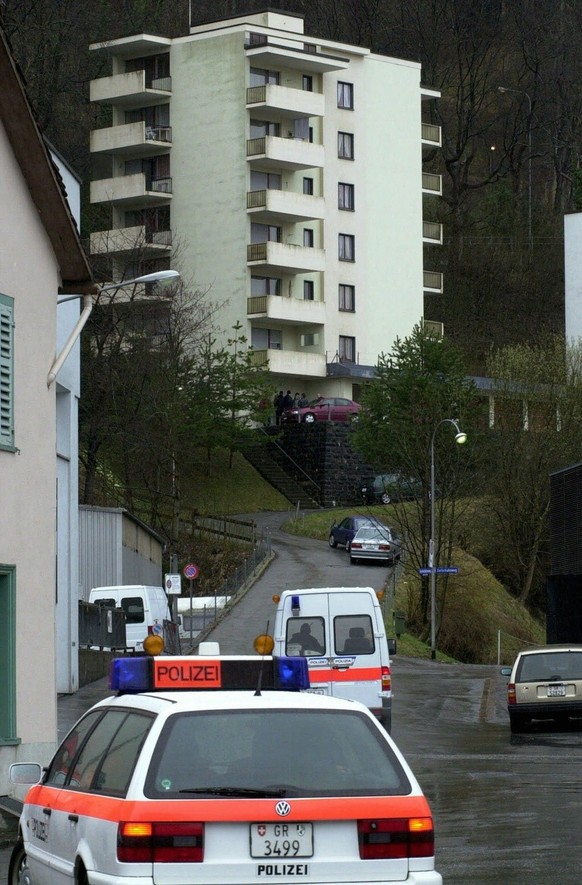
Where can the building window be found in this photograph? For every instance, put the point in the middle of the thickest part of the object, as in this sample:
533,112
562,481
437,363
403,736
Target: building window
310,139
261,181
346,247
265,286
8,654
347,349
308,237
345,96
309,339
6,372
308,290
262,77
307,83
265,233
266,339
347,297
345,196
257,39
345,145
261,128
308,186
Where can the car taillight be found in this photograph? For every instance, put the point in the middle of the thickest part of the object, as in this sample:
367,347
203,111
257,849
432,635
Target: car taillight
356,545
397,838
386,679
511,699
383,546
160,842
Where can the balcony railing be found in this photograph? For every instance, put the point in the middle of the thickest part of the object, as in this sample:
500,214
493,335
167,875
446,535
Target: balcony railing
161,185
431,134
158,133
432,232
432,183
433,281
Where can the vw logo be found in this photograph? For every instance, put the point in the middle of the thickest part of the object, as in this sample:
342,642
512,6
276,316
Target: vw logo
283,809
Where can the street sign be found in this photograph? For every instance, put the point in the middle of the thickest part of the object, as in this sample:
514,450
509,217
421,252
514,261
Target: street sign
440,570
191,571
173,584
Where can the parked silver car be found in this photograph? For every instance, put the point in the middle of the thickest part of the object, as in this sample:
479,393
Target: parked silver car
375,542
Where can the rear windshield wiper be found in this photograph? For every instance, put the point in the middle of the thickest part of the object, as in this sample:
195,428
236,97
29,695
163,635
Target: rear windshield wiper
236,791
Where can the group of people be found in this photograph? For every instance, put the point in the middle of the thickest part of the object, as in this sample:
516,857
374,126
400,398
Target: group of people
284,401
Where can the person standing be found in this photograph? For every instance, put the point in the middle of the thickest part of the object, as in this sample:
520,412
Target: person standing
278,402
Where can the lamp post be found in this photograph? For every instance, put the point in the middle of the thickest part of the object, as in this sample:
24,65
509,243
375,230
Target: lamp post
460,438
160,276
529,180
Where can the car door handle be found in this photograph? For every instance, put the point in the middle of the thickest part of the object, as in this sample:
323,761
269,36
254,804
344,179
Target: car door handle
74,818
47,811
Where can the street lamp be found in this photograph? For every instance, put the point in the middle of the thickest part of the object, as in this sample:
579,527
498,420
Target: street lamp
460,438
529,183
89,296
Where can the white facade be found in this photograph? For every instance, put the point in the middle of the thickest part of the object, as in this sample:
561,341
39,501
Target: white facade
236,133
573,276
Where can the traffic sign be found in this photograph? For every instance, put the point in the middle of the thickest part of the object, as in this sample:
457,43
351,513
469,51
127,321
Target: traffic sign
440,570
173,584
191,571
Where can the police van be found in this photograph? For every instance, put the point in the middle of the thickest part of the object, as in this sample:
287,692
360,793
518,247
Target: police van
221,770
341,632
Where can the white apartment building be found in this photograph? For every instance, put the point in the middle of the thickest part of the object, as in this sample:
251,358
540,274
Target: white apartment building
289,171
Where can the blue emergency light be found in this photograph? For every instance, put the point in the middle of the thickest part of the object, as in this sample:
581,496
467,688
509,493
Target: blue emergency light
194,672
295,605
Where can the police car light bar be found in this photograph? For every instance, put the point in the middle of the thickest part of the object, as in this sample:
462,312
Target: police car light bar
191,672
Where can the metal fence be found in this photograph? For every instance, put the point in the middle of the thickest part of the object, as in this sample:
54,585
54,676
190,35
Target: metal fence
101,627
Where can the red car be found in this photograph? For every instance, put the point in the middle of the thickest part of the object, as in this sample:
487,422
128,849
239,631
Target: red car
325,408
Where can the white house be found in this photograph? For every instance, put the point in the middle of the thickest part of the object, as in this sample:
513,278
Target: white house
41,254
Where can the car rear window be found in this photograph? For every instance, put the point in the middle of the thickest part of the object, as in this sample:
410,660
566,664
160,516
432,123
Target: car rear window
292,753
553,666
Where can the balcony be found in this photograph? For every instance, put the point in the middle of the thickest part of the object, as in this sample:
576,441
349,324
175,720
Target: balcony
292,362
131,139
285,258
287,311
433,281
130,90
432,184
132,191
271,102
431,135
270,152
124,241
294,56
284,206
432,232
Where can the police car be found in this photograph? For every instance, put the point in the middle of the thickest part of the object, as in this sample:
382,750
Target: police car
221,770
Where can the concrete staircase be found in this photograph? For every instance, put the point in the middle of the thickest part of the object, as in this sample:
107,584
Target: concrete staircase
274,464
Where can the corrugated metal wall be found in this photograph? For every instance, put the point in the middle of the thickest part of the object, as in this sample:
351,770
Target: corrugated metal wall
115,548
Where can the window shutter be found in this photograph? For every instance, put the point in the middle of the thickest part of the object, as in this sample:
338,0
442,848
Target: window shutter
6,371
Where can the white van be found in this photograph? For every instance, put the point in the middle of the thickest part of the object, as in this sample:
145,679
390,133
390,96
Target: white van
341,632
146,608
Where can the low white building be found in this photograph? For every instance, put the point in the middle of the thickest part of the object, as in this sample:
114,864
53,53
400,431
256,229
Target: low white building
41,252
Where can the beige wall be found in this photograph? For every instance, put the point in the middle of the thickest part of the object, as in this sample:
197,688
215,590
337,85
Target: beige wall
28,274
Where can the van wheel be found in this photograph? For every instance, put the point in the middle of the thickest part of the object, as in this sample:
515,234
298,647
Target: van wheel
18,872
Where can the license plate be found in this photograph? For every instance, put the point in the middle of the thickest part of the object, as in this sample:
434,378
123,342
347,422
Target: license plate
282,840
315,691
556,691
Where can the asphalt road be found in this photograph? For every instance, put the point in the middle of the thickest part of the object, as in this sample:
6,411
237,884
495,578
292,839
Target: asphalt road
507,808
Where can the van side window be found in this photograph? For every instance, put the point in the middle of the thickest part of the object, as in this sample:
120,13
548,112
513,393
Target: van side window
133,608
353,635
305,636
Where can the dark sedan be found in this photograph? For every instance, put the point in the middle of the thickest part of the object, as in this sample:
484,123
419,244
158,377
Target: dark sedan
341,534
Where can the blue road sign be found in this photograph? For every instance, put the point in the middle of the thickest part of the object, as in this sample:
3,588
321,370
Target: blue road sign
424,571
443,570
